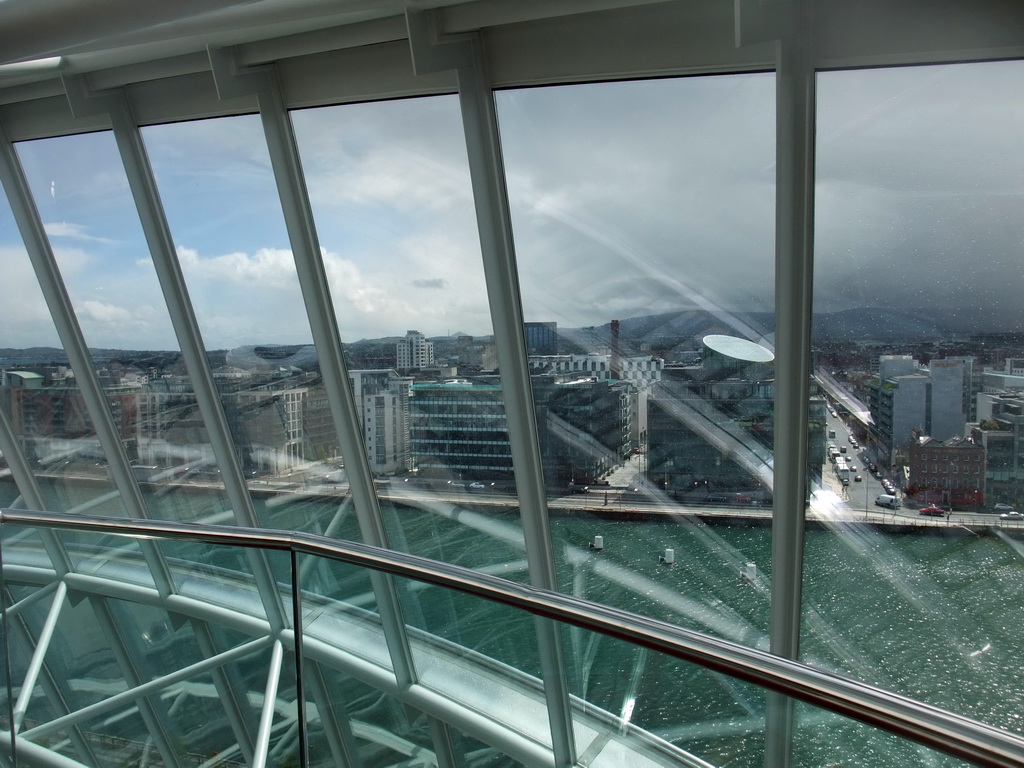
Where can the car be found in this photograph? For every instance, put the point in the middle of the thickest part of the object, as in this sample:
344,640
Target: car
477,486
872,468
932,511
1012,515
857,478
1001,507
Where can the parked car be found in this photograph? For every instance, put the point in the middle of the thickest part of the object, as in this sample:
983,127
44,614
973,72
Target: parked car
932,511
1001,507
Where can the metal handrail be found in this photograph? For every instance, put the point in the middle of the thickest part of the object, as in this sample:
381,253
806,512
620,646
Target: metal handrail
930,726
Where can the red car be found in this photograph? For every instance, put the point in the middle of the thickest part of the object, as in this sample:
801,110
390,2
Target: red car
933,511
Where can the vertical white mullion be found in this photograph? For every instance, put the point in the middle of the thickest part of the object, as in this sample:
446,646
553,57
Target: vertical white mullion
794,237
313,283
142,182
494,225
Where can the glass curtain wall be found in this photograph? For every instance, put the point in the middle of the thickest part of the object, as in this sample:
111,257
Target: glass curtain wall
38,415
917,329
390,191
643,220
218,192
641,212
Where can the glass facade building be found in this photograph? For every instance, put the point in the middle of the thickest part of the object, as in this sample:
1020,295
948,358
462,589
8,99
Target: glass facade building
704,453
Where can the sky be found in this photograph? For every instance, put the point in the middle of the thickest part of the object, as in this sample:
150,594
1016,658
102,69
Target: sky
627,199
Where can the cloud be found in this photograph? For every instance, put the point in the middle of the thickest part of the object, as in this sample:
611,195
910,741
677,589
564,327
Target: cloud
23,313
273,268
102,312
626,198
74,232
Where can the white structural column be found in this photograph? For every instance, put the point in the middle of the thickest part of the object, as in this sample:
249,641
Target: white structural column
284,157
464,54
262,749
789,24
114,104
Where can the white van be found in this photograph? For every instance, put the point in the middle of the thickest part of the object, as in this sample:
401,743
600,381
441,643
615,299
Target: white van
887,500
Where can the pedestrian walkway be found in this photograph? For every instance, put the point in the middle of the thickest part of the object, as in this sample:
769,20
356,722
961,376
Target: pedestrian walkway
626,475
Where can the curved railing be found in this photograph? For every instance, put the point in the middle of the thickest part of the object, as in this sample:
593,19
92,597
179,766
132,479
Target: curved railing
904,717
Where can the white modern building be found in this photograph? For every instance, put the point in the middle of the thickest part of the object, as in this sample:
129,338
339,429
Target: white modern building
383,400
641,370
414,351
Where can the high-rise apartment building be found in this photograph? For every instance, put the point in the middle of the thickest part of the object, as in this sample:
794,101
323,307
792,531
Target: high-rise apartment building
414,351
382,397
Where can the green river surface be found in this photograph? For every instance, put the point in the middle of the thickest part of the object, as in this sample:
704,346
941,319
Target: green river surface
935,614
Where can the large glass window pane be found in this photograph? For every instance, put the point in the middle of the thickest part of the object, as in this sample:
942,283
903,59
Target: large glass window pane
84,200
643,215
391,196
917,336
221,201
38,386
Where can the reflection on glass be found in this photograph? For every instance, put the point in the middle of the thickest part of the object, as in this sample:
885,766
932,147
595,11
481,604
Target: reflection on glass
698,713
917,341
643,217
338,602
222,206
390,190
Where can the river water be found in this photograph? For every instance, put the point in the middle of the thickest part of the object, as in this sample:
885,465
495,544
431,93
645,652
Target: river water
935,615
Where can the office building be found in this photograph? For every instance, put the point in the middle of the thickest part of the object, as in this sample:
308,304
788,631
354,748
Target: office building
383,401
541,338
905,398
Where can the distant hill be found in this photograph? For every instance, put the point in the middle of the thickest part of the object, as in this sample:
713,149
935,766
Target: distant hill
666,334
683,330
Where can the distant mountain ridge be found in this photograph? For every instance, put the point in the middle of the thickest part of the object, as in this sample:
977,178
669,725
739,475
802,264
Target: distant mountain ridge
663,331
